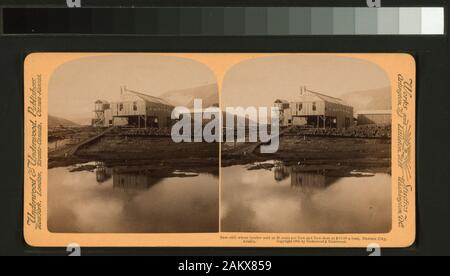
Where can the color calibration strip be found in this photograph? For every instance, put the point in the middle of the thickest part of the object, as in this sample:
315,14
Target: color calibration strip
228,21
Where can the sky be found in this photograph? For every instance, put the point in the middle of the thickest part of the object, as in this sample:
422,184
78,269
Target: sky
75,86
259,82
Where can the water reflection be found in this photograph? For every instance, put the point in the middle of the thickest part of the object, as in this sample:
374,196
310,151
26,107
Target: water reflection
306,182
103,173
300,199
95,198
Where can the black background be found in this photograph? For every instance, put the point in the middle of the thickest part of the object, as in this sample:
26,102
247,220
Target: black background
433,113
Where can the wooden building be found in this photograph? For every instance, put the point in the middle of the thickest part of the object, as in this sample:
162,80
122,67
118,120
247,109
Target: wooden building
135,110
316,110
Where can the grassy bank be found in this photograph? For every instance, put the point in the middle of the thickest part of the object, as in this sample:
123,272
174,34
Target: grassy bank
356,152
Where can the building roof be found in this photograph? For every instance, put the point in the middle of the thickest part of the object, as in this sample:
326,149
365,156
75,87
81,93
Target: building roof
327,98
281,101
101,102
148,98
374,112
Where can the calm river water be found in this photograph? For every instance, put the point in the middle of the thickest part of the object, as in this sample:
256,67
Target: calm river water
292,200
106,200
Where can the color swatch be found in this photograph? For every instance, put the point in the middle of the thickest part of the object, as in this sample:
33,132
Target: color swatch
229,21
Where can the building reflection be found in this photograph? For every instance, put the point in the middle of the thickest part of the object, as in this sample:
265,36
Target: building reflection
133,181
127,180
281,172
305,181
103,173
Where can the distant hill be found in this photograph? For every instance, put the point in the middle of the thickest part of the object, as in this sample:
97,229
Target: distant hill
83,121
377,99
208,93
58,122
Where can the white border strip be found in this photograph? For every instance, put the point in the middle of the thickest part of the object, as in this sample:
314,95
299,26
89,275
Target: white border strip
433,21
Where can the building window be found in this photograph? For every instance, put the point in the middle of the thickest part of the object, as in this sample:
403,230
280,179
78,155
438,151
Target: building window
135,107
314,107
120,107
300,107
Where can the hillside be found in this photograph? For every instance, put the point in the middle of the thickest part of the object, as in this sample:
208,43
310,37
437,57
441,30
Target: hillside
208,93
377,99
60,122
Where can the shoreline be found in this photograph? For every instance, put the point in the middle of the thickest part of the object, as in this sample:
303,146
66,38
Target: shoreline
359,153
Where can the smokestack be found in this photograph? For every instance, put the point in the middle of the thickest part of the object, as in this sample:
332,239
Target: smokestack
123,90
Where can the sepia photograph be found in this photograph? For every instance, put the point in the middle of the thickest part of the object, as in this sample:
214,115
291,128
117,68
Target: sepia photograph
219,130
219,149
331,172
112,164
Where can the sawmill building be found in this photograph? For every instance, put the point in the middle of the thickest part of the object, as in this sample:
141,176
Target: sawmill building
135,109
317,110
